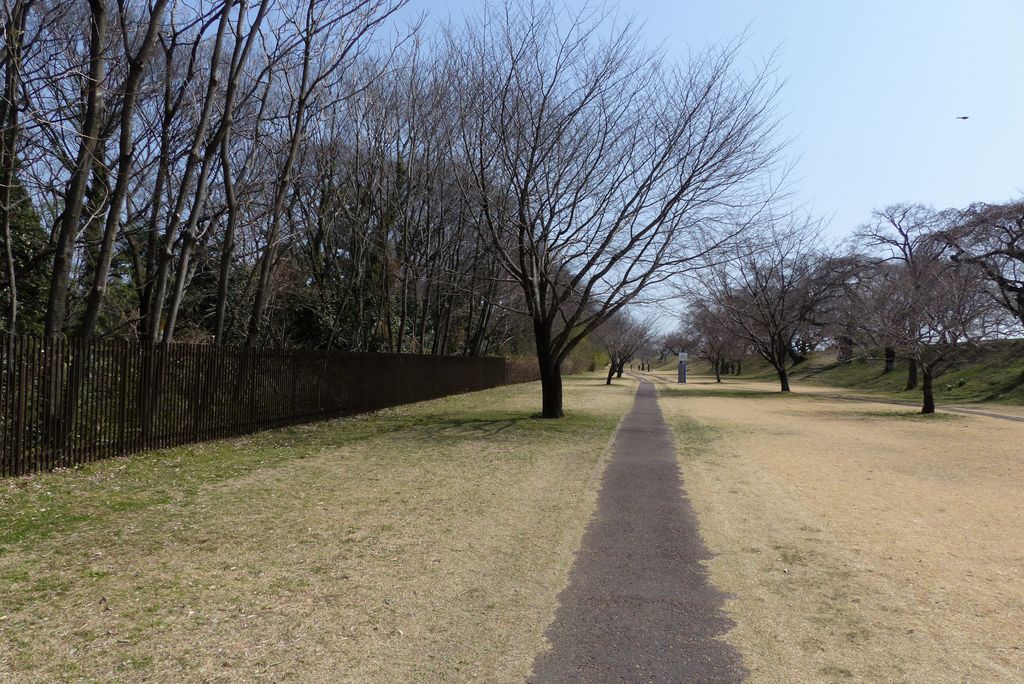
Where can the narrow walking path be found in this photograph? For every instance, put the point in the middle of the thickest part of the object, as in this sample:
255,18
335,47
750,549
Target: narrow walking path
639,606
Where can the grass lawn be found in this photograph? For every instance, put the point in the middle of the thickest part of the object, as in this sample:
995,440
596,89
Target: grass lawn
990,373
423,543
860,542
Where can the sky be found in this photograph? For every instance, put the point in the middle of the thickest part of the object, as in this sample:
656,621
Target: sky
872,91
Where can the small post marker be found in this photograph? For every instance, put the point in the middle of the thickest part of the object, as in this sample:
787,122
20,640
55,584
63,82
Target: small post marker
682,368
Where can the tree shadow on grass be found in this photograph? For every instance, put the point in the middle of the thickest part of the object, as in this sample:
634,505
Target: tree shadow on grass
508,426
730,393
812,371
912,415
471,428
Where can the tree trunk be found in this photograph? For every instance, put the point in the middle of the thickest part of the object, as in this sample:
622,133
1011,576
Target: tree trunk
929,396
618,371
718,371
8,147
845,343
227,246
149,319
783,377
67,225
283,181
550,372
12,278
551,390
890,360
181,279
202,151
126,157
912,374
238,58
611,371
260,300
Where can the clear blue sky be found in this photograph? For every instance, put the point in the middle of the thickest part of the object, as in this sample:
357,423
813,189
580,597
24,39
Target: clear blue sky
873,89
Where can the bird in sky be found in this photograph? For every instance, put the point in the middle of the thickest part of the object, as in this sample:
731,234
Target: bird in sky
963,118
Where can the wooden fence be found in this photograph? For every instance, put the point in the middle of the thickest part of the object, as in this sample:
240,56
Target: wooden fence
67,402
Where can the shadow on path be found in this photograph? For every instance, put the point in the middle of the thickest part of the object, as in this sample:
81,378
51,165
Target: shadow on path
639,607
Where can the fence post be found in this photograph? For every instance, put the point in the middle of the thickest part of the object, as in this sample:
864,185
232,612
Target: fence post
249,354
122,412
319,383
295,389
19,403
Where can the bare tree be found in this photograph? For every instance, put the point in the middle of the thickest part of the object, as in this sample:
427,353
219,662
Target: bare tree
622,336
137,58
385,233
14,19
896,235
93,85
331,36
264,171
773,287
600,170
670,344
991,236
918,300
714,341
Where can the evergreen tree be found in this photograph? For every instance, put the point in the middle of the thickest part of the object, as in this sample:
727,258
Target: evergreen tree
30,249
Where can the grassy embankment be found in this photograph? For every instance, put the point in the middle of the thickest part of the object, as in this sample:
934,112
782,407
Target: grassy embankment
427,542
993,373
860,542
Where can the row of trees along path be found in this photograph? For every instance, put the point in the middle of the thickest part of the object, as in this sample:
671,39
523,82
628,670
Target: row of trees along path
284,173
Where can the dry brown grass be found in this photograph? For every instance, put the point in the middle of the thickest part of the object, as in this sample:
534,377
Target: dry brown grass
426,543
861,542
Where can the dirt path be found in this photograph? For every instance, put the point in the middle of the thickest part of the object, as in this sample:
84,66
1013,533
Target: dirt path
639,606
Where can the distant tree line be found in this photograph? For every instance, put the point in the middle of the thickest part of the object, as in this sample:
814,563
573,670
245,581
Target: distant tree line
302,173
913,283
251,172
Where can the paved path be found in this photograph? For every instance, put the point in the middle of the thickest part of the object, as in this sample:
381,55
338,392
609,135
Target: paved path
639,607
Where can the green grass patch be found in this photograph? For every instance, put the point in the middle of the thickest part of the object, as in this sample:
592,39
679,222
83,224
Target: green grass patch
34,507
37,506
367,545
993,372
